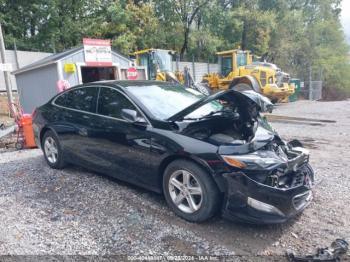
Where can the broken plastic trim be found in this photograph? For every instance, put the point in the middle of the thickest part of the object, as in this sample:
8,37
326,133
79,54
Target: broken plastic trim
261,206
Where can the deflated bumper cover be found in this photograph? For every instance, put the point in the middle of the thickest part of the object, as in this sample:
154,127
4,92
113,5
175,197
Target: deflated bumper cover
285,202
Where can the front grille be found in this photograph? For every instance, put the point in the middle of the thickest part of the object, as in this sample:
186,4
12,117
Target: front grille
300,201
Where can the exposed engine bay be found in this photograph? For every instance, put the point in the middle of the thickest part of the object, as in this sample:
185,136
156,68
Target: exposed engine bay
233,122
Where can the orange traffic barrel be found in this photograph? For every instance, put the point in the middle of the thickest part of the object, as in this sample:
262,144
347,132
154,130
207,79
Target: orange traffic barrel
28,133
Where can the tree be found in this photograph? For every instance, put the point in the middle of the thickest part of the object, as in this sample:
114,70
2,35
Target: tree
47,25
295,34
130,26
308,33
185,12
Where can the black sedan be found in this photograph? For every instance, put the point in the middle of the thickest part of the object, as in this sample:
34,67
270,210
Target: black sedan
206,154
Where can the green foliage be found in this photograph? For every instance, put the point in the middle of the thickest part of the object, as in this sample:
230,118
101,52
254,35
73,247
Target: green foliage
309,34
258,25
130,26
48,25
296,34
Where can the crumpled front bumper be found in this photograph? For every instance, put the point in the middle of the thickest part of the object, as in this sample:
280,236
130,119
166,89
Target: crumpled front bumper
284,203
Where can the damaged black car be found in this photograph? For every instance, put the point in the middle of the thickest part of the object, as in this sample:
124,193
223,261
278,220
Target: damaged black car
206,154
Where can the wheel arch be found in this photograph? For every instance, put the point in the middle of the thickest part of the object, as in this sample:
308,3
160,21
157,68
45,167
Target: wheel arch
250,80
169,159
43,131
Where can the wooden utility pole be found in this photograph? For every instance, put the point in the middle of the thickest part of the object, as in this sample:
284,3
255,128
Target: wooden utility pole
6,73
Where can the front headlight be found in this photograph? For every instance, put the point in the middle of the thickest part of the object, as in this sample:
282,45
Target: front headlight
252,161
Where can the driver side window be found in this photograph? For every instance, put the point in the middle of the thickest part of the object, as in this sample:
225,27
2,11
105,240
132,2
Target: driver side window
111,102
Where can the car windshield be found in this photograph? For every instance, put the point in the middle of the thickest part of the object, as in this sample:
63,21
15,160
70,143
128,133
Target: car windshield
166,101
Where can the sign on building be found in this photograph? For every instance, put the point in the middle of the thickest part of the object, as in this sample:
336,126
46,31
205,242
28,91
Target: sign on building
69,68
97,52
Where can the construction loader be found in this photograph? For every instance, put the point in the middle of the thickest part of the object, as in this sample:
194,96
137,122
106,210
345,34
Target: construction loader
238,69
158,63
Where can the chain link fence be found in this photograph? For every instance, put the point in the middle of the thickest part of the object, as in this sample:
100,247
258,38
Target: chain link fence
315,93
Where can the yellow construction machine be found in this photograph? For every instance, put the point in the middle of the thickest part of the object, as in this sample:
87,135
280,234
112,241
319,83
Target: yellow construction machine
158,63
238,71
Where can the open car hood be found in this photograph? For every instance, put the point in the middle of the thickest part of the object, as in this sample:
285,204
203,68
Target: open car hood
249,97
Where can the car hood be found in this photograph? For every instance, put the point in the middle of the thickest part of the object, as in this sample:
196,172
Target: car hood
250,97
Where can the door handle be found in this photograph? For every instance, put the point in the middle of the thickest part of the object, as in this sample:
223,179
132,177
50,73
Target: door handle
83,132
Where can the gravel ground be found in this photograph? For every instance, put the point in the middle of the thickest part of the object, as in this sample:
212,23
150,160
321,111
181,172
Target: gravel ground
76,212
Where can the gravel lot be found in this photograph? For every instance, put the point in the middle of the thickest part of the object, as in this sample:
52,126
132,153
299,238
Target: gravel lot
74,211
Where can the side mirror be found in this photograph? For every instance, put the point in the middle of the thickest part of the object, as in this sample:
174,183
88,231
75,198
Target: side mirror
131,116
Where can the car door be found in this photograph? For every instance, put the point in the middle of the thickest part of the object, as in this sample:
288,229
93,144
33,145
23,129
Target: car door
123,147
75,121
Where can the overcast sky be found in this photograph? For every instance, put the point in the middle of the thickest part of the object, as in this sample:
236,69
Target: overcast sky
345,18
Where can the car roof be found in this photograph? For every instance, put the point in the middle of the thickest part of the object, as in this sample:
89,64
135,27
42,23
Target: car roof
119,84
127,83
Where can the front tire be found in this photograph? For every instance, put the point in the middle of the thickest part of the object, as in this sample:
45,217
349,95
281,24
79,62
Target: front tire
190,191
52,150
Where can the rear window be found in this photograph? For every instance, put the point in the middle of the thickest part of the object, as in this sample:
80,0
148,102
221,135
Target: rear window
83,99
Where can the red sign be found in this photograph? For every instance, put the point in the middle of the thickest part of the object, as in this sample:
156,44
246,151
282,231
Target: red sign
100,42
131,74
97,52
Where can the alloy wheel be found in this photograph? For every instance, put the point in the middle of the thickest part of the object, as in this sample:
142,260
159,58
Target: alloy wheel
51,150
185,191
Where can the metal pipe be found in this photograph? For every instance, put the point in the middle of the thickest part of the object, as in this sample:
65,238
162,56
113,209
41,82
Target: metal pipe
6,73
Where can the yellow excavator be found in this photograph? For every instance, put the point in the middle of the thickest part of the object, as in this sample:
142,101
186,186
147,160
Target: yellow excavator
237,70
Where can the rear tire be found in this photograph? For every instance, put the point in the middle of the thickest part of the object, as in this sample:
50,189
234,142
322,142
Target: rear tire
52,149
195,199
